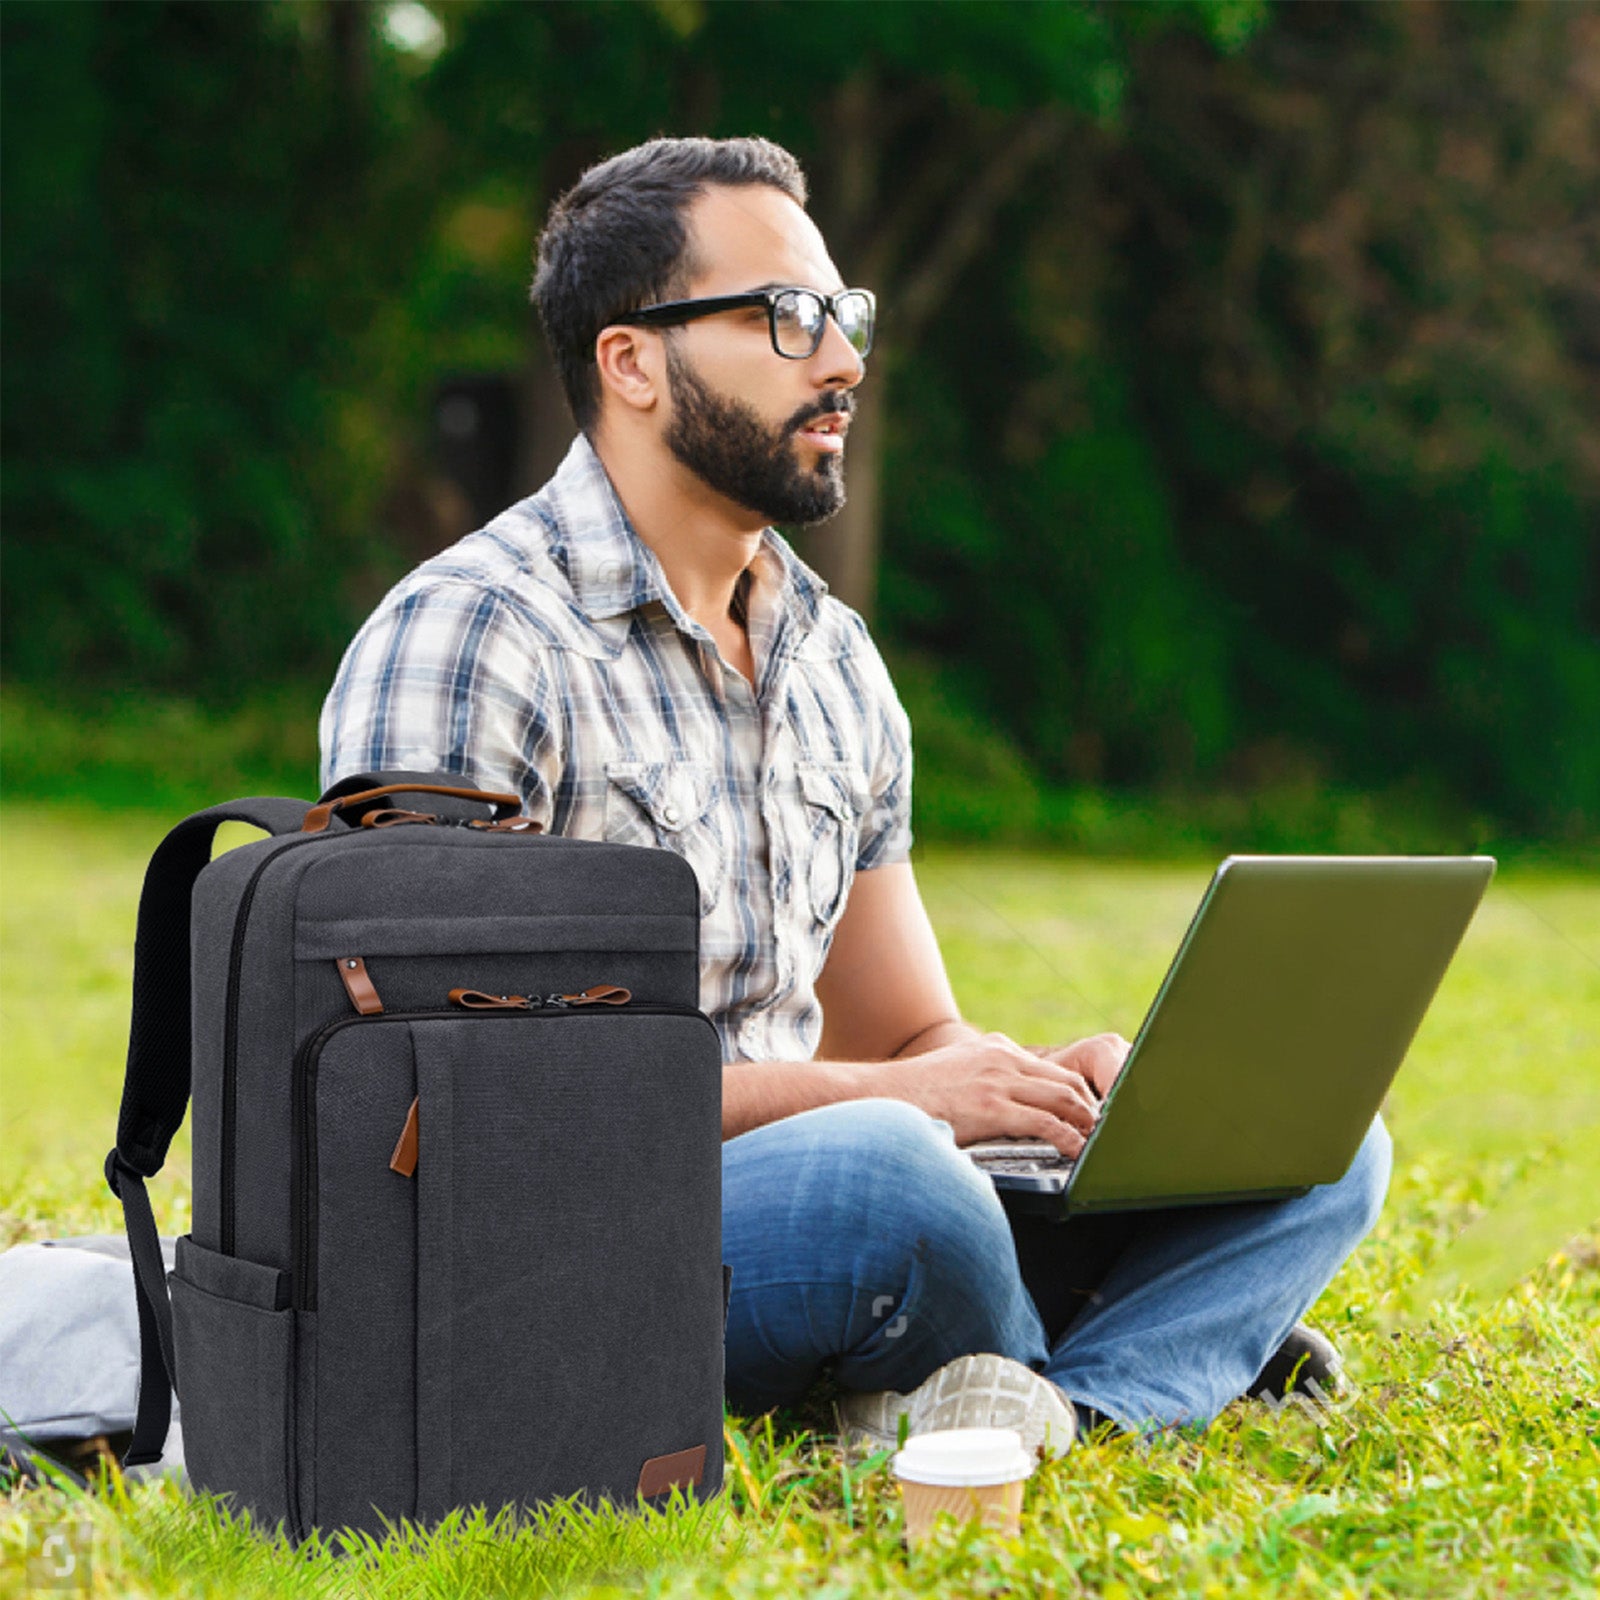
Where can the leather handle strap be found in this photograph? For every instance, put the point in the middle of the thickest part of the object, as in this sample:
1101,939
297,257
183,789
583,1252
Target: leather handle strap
320,815
155,1091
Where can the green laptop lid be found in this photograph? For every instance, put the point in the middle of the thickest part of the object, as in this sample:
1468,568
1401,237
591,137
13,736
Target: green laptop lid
1284,1017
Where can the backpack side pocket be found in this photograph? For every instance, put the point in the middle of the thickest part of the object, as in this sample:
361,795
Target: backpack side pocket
232,1334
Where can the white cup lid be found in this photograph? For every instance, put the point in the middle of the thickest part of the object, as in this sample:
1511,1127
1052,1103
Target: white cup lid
971,1458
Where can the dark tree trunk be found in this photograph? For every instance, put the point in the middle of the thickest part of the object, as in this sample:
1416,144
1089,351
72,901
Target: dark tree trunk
547,425
844,550
911,242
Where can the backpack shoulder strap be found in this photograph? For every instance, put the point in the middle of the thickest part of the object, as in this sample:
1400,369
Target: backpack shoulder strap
155,1092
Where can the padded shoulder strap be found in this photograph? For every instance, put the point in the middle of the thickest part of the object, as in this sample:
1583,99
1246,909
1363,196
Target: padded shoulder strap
155,1092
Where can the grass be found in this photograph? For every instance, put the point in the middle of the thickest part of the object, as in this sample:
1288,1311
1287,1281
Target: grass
1467,1462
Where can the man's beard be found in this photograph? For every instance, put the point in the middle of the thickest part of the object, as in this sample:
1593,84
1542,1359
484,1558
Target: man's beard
725,444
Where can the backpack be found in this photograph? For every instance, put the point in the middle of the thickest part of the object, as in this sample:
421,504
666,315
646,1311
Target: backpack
456,1236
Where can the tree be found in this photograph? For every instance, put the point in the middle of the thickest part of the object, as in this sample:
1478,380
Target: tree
917,123
1365,258
194,422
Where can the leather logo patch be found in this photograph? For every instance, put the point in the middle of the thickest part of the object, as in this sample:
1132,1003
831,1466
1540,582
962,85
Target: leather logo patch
682,1469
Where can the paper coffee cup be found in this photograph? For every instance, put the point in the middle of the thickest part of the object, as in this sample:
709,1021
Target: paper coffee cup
973,1473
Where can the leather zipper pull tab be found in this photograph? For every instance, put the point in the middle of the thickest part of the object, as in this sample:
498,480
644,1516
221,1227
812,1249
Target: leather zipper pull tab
477,1000
597,994
359,986
600,994
404,1159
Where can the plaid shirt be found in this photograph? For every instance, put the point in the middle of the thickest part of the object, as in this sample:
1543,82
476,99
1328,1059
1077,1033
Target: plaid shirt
546,654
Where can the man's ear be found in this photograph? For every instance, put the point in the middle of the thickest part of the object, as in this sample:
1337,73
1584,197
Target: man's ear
632,365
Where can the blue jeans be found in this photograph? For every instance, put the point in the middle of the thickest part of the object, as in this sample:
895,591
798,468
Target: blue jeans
861,1239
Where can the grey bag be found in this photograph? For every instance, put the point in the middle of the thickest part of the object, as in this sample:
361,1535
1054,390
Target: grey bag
457,1161
69,1351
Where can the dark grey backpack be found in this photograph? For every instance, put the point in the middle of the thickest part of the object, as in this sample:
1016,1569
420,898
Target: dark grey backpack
457,1161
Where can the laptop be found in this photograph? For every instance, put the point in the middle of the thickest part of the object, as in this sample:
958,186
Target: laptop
1276,1033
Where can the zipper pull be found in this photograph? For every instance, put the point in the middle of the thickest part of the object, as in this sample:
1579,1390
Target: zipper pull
359,986
404,1159
477,1000
599,994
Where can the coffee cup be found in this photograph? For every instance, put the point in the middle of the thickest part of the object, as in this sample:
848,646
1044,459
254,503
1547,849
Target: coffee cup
973,1473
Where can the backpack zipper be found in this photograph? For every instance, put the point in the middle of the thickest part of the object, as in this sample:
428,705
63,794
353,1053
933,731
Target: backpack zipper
599,994
230,1035
303,1222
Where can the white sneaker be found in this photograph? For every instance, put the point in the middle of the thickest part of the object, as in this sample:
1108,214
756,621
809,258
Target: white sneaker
969,1392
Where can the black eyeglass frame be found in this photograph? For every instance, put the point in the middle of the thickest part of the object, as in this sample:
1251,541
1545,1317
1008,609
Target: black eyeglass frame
672,313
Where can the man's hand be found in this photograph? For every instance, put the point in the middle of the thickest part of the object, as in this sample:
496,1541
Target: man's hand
884,993
1099,1059
990,1087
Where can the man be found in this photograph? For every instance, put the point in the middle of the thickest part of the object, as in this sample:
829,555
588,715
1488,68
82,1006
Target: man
644,659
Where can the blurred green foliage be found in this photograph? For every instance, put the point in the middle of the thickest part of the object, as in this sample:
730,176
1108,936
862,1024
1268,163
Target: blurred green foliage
200,235
1243,360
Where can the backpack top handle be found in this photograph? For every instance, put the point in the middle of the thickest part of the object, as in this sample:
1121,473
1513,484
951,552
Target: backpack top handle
319,816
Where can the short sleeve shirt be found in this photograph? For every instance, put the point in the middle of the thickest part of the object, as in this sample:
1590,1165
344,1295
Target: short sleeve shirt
546,654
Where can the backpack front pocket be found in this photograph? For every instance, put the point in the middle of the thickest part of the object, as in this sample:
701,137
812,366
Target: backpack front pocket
569,1279
526,1301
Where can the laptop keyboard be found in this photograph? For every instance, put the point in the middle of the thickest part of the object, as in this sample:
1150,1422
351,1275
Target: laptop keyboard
1018,1157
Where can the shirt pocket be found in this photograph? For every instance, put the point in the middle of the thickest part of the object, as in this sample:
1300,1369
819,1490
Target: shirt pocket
670,805
830,835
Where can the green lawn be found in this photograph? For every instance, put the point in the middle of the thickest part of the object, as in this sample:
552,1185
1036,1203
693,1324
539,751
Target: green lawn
1467,1463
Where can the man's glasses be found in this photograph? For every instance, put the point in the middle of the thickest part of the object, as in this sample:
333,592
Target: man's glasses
797,318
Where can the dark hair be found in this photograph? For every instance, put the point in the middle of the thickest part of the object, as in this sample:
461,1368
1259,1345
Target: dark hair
616,240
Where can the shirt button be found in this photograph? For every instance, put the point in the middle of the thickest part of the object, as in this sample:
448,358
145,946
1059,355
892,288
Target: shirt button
669,815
